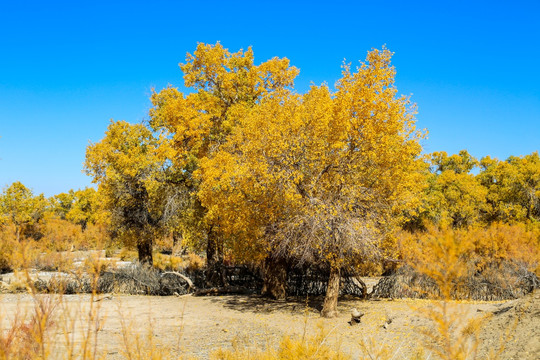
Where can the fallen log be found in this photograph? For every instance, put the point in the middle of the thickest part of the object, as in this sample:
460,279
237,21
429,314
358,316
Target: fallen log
181,276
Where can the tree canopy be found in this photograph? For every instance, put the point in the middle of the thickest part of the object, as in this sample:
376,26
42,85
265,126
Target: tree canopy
19,206
317,178
132,184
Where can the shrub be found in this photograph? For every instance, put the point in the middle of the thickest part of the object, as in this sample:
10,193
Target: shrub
8,245
168,262
480,263
62,235
194,262
313,348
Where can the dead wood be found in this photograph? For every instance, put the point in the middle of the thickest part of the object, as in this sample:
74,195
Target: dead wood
183,277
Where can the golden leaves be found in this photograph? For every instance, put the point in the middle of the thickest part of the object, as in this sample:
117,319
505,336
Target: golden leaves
323,169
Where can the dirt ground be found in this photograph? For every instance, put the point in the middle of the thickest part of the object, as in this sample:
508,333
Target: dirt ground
197,326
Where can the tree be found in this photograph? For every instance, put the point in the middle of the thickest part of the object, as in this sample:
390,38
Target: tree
458,199
196,125
513,188
132,185
19,206
453,196
461,163
84,208
61,204
527,184
317,178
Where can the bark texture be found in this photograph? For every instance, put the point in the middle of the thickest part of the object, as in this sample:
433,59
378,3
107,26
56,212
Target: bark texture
145,253
216,275
275,279
329,309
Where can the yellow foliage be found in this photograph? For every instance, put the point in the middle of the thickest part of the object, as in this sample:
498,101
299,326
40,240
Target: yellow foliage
451,256
313,348
193,127
20,207
127,254
62,235
168,262
319,175
194,262
8,244
452,252
513,188
132,185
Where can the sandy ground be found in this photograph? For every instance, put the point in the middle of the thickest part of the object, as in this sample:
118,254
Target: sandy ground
197,326
516,325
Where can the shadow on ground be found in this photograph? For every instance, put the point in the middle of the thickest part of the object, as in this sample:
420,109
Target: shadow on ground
261,304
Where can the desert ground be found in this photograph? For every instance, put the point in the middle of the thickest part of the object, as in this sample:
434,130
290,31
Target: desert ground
195,327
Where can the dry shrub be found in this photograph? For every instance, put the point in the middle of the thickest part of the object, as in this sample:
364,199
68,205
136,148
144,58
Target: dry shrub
164,243
141,280
51,251
17,284
440,258
405,283
28,337
126,254
487,263
135,280
503,282
8,244
52,261
491,263
313,348
168,262
64,283
26,253
31,254
499,243
62,235
195,262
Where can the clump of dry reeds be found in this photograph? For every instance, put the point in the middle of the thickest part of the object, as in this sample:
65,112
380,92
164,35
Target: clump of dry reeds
494,263
143,280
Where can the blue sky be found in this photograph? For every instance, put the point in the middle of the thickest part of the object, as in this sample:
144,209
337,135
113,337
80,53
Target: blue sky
67,68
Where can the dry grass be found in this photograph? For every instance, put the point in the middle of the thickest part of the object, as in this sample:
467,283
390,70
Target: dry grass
54,329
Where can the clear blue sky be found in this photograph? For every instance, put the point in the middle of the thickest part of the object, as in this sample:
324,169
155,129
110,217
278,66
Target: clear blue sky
67,68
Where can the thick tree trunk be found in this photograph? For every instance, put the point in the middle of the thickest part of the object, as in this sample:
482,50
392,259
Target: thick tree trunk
215,271
176,238
212,256
275,278
332,292
145,253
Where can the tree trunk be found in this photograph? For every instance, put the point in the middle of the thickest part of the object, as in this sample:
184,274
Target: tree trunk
215,271
176,238
275,278
84,225
329,309
212,256
145,253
